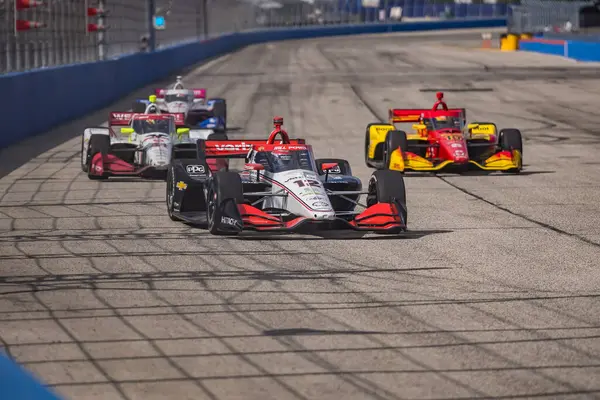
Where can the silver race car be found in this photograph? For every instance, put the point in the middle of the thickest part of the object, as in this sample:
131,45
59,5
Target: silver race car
199,112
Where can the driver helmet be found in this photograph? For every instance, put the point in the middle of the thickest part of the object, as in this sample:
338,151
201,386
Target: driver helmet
282,157
153,125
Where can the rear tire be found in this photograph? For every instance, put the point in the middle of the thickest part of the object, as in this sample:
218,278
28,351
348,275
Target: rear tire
343,164
220,111
224,185
394,140
98,144
138,107
511,139
386,186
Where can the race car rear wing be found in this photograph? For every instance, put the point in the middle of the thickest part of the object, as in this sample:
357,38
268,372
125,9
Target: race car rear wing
120,118
124,118
233,148
397,115
198,93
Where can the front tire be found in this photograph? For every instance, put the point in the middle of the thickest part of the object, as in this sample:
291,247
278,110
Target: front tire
171,175
220,111
393,141
98,144
84,165
511,139
224,186
386,186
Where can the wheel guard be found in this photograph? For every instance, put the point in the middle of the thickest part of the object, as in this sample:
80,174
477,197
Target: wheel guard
228,217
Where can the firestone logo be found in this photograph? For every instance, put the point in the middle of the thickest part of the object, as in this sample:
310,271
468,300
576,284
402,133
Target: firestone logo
233,147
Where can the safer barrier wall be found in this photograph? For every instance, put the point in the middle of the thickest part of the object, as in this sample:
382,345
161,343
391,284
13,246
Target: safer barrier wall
36,101
585,50
15,383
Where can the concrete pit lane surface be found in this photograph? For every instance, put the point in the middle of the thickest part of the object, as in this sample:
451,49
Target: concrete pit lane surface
492,294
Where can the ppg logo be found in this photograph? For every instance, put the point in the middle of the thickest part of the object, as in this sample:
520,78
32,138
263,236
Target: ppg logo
195,169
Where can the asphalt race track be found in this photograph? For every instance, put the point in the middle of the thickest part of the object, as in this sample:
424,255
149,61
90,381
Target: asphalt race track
493,294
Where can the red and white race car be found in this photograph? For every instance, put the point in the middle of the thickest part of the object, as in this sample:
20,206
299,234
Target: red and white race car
281,188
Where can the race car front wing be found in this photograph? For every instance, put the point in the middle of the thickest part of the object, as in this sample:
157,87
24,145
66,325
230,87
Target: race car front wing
379,218
502,161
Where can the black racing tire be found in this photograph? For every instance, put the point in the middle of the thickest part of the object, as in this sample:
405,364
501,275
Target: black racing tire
224,185
385,186
171,179
511,139
344,165
220,110
84,166
394,140
217,136
98,144
138,107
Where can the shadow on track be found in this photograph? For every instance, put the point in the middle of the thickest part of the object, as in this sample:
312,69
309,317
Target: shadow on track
336,235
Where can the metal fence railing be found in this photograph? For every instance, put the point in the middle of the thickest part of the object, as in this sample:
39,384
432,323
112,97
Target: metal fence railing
40,34
546,16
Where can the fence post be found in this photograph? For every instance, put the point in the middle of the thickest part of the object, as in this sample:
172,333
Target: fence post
151,8
204,19
101,32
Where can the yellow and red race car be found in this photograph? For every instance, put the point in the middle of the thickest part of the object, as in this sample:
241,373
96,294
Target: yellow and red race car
439,142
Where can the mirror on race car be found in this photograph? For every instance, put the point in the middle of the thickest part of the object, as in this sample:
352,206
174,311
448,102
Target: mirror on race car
127,130
254,167
328,166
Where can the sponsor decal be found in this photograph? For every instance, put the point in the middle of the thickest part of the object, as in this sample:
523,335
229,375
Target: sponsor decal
320,204
339,179
316,198
195,169
459,153
452,137
293,178
456,145
310,175
407,117
181,185
229,221
307,182
335,170
233,147
289,147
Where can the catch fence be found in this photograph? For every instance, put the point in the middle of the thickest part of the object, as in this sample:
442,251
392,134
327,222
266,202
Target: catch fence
533,16
46,33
